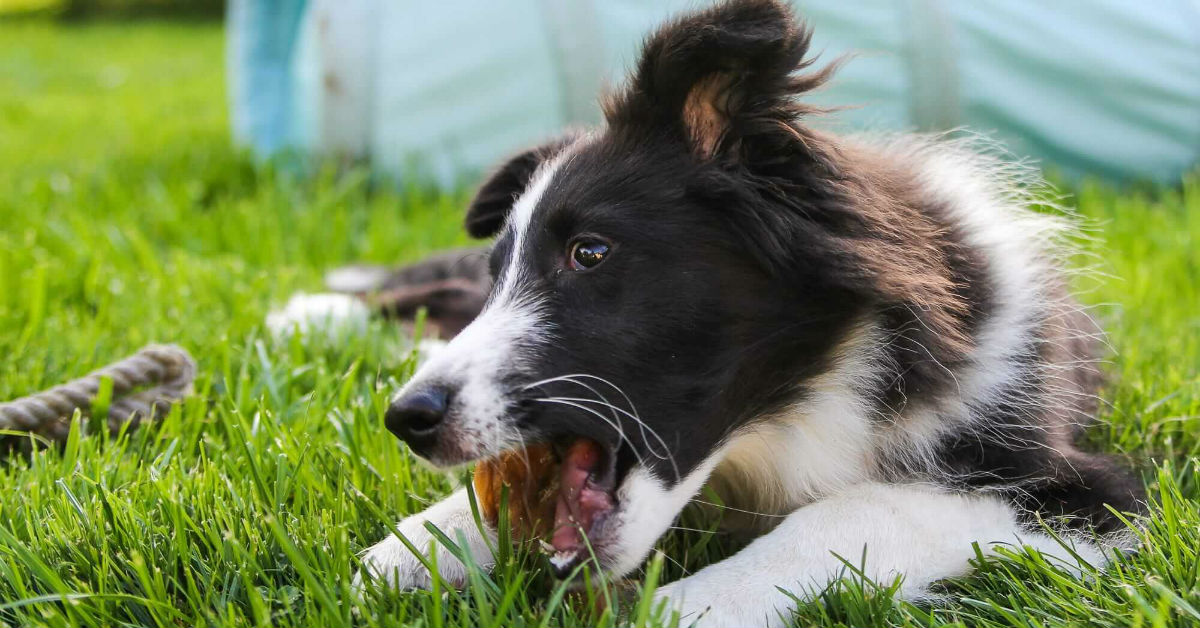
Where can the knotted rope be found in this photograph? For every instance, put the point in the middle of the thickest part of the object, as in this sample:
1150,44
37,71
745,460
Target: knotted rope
143,385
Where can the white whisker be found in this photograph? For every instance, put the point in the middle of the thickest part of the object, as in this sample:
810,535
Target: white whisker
643,428
748,512
597,414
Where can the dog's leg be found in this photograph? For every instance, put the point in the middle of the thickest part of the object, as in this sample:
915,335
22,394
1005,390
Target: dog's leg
917,532
390,561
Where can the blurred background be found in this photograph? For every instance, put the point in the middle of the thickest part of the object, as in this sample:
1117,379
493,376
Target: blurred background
1103,87
76,9
441,91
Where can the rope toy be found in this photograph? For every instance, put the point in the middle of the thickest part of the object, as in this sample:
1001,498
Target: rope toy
144,384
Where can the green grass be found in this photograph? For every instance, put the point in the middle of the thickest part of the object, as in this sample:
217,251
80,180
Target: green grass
126,218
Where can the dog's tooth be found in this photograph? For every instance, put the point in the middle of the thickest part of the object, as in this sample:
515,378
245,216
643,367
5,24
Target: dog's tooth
564,561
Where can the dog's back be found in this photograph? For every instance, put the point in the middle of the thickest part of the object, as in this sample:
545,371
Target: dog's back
983,384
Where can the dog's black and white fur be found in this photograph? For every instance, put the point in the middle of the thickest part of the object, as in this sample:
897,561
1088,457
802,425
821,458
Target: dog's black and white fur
869,341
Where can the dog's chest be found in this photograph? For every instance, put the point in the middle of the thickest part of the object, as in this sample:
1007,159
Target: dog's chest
779,467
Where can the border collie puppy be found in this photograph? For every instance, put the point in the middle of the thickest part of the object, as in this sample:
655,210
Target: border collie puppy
868,343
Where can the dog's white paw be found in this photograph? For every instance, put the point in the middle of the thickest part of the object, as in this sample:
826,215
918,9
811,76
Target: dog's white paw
702,608
390,561
692,612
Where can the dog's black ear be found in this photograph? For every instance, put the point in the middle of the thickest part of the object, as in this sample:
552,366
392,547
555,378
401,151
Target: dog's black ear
489,209
721,78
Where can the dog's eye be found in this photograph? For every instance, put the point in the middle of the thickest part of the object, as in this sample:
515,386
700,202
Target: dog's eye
587,254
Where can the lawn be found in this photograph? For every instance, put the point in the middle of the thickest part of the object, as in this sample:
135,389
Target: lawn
126,217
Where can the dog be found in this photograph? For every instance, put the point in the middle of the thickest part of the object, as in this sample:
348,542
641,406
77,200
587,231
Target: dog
867,344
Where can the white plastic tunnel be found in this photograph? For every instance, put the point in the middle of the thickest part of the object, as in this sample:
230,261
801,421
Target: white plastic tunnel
1108,88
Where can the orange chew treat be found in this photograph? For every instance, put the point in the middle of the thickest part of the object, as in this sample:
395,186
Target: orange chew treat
531,476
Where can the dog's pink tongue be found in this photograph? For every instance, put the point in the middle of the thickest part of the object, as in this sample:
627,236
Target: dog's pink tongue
579,501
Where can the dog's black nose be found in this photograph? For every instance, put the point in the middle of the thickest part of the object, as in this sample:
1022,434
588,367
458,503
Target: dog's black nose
416,416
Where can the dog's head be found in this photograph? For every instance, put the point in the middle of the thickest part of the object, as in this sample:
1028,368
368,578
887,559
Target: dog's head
658,284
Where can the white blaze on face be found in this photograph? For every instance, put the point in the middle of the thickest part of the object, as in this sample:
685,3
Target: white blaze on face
502,339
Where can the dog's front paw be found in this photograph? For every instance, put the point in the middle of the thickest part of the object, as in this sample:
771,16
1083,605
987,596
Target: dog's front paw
692,611
390,561
702,608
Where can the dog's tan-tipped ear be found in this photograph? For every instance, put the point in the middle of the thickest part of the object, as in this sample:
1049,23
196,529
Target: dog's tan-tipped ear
490,207
706,114
719,77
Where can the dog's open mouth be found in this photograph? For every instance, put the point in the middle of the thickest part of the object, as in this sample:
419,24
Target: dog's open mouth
587,482
564,492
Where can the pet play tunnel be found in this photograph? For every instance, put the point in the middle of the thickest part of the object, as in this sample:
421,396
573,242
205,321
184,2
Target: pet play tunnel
445,89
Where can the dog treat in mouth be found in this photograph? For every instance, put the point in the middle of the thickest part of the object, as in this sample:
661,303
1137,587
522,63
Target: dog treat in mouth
531,475
563,495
